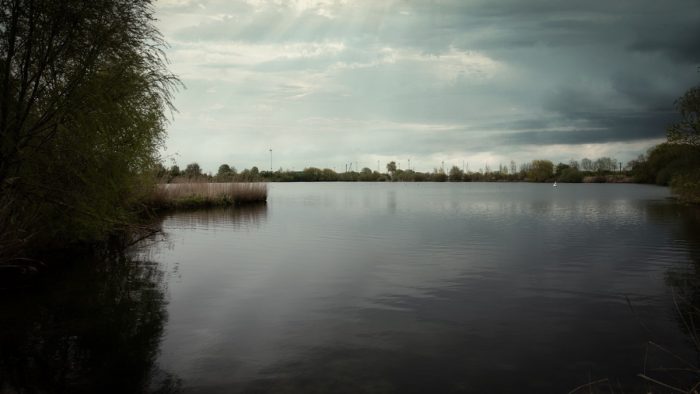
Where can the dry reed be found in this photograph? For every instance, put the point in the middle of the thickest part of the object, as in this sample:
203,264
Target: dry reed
193,195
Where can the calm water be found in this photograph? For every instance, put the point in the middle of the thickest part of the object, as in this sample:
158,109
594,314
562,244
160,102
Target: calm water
374,288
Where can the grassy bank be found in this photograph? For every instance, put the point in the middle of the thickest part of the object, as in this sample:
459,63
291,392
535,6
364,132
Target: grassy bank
202,195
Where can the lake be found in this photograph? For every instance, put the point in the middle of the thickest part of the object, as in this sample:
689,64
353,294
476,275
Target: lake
373,287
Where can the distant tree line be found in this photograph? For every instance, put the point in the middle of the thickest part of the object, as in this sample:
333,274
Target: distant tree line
534,171
675,163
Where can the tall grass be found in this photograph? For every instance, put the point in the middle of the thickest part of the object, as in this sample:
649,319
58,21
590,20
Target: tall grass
200,194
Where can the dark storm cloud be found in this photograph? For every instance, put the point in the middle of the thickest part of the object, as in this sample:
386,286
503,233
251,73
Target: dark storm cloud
601,129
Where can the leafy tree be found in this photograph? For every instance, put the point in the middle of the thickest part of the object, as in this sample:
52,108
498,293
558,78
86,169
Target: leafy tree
541,170
224,170
83,93
174,171
456,174
366,175
687,130
193,170
161,171
570,175
560,169
391,167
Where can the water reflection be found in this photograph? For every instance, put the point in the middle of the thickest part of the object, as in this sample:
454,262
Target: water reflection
92,327
233,217
683,278
412,288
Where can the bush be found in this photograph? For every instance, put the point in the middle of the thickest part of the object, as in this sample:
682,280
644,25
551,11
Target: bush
687,186
571,175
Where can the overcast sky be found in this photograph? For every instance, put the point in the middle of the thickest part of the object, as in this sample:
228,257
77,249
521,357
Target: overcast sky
327,82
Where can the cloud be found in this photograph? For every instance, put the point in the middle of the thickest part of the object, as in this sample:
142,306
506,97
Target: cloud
327,80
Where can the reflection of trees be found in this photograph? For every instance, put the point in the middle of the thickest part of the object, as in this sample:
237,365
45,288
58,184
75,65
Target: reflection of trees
93,327
684,281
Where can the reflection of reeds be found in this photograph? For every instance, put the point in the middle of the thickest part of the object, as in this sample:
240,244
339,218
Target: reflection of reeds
247,215
193,195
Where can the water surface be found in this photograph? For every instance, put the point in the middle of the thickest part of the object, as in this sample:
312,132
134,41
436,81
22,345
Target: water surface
352,287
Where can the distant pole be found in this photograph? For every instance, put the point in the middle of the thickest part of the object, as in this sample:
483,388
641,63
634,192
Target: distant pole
270,159
462,165
620,166
409,163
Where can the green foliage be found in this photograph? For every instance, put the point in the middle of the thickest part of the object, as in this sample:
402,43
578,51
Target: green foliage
224,169
686,185
456,174
676,163
687,130
391,167
570,175
560,168
193,170
367,175
664,161
540,170
83,93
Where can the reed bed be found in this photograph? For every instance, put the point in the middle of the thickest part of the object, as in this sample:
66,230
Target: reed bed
196,195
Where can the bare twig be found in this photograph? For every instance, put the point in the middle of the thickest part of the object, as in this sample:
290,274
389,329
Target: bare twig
589,385
645,377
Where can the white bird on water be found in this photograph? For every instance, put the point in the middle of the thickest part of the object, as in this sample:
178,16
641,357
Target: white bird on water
555,184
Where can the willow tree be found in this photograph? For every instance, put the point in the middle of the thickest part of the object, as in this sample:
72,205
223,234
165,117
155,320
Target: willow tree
84,94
